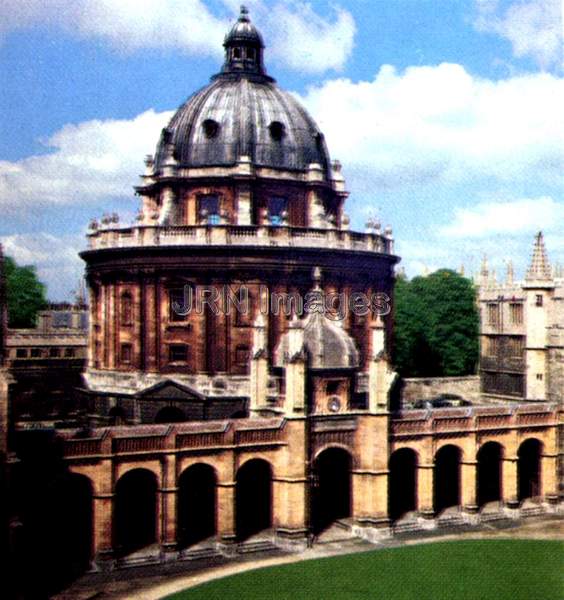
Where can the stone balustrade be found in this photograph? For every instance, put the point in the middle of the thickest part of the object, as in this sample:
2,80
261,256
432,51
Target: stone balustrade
411,423
136,440
142,236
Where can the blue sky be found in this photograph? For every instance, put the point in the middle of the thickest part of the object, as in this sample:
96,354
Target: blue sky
447,116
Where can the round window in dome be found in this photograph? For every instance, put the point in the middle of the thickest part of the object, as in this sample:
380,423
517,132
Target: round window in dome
211,128
277,130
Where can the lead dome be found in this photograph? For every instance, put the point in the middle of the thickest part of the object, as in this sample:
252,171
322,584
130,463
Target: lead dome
243,113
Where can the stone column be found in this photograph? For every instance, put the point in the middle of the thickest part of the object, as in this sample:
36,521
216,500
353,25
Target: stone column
290,501
259,366
425,508
549,478
468,483
168,498
509,483
244,211
226,528
103,526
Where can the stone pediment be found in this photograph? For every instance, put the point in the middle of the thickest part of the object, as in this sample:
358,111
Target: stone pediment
170,390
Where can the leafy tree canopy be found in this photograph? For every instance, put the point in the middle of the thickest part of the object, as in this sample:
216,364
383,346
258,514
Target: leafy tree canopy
25,294
436,326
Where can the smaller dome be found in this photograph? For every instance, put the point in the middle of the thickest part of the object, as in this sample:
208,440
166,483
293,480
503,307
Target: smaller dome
325,343
244,32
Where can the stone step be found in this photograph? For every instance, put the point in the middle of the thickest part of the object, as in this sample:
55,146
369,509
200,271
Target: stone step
256,546
199,554
406,526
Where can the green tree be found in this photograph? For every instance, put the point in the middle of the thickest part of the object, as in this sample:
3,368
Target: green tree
436,326
25,294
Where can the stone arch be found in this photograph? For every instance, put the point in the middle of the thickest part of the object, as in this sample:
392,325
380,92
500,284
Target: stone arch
489,473
253,498
529,469
170,414
117,416
197,504
135,511
332,488
446,480
402,484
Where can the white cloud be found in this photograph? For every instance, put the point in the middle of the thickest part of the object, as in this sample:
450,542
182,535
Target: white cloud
300,38
535,28
55,257
89,162
441,125
489,219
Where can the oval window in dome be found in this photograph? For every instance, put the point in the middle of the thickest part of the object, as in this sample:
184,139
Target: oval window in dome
211,128
277,130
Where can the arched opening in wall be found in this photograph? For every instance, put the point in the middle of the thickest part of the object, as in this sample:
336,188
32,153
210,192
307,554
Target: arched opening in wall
253,498
529,469
117,416
71,526
489,473
446,481
402,496
135,511
331,494
196,517
170,414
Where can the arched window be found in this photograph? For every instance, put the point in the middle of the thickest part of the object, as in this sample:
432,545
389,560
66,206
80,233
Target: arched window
126,309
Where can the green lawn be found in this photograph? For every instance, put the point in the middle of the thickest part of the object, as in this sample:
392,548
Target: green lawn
464,570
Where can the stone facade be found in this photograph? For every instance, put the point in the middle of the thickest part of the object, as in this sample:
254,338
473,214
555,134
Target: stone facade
427,388
522,346
46,365
292,430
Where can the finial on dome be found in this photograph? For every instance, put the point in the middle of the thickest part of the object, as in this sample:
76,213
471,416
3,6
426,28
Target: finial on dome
244,16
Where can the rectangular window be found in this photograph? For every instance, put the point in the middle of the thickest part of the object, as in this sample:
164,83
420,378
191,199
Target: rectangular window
209,209
177,299
21,353
277,210
126,352
493,314
539,300
36,353
516,347
516,313
54,352
242,355
490,346
69,353
178,353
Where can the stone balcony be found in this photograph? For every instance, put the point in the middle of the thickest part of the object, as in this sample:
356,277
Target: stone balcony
141,236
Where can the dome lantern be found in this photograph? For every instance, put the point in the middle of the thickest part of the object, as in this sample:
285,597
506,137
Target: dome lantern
244,47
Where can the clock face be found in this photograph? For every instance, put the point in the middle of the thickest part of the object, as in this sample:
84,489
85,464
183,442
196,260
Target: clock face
334,405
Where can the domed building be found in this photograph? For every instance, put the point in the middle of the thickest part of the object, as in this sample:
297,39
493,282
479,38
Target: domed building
239,333
241,203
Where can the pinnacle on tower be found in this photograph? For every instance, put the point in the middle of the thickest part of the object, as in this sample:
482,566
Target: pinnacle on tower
510,276
539,270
